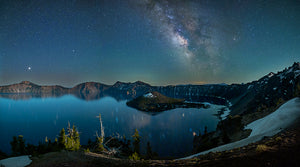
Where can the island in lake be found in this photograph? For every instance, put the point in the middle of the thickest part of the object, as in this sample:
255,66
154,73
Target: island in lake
156,102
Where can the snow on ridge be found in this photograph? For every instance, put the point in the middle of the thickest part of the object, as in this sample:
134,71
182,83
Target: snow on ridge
269,125
271,75
149,95
290,70
225,114
297,73
278,120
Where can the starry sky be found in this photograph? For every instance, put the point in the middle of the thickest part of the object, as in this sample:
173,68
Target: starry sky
160,42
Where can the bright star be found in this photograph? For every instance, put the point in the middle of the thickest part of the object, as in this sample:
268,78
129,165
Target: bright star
29,68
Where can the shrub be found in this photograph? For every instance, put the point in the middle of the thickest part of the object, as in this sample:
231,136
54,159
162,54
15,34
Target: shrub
278,139
280,101
18,145
100,146
134,156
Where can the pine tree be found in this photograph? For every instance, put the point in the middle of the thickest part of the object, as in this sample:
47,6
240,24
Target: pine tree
136,141
149,151
76,139
18,145
73,140
14,145
69,144
21,143
225,138
205,130
62,139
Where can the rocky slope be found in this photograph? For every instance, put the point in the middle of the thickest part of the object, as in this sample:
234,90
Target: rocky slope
260,99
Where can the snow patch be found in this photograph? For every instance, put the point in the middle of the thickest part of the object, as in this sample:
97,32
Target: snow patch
290,70
149,95
225,114
281,76
271,75
278,120
267,126
205,103
297,73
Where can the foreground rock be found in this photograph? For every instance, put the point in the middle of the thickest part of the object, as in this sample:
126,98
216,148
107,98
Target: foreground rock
20,161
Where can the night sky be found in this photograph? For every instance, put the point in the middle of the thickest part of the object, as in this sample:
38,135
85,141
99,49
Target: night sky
158,42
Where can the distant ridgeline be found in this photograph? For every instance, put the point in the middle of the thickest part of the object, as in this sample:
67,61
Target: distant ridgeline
245,98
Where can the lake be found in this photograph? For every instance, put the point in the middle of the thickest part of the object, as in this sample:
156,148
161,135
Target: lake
170,133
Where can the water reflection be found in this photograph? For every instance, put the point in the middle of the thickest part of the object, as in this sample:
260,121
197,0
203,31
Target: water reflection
170,133
96,96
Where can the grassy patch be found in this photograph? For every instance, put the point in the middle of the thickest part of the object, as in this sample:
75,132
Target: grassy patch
261,148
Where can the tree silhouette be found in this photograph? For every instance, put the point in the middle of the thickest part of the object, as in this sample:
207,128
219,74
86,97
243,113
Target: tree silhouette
149,152
136,141
62,139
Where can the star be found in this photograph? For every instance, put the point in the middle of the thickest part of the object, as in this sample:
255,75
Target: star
29,68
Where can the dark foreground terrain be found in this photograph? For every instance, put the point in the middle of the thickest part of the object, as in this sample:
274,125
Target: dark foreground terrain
282,149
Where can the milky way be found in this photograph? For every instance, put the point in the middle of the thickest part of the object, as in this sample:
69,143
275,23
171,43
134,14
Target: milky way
160,42
194,30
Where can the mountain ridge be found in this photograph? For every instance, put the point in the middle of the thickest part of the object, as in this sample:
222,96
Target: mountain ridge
242,98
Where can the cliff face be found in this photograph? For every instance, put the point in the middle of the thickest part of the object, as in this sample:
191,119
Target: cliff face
121,90
28,87
245,98
89,90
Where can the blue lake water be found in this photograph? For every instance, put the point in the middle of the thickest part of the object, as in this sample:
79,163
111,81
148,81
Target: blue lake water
170,133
